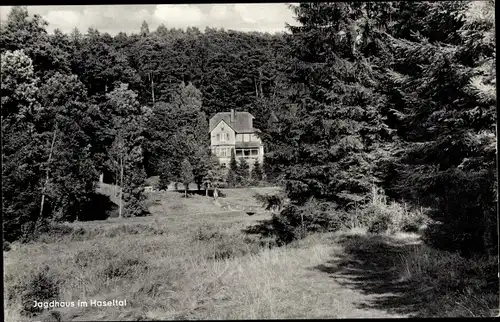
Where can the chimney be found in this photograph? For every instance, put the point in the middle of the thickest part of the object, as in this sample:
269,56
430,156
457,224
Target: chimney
232,116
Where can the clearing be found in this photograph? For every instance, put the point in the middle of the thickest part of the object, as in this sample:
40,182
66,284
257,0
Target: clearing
191,259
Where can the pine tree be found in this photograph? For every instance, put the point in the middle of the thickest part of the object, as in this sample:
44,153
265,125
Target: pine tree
233,170
257,172
333,143
144,29
243,172
446,106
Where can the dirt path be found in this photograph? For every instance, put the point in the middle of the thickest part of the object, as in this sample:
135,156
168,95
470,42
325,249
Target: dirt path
335,285
334,290
309,280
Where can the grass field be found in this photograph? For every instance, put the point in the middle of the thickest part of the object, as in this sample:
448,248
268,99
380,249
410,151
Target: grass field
192,260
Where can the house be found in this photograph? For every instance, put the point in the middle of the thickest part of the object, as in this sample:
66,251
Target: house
234,131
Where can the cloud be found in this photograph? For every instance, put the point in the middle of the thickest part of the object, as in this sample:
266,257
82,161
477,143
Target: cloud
4,12
179,16
263,17
62,19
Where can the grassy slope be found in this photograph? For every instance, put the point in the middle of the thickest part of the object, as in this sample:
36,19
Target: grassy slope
190,260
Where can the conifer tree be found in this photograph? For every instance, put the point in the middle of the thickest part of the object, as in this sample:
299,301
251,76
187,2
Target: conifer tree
445,103
338,128
233,170
243,172
257,172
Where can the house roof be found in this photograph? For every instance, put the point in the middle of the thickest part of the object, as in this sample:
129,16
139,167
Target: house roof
243,121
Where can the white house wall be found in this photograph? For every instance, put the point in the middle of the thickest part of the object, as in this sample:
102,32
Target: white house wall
222,128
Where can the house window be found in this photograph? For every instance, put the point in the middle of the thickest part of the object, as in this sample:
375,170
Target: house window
255,152
246,137
223,152
246,153
223,137
238,152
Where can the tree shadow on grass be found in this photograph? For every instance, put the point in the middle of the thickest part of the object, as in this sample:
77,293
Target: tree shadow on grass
264,228
99,207
369,264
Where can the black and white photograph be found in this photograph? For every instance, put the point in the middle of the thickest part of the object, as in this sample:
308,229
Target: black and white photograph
249,161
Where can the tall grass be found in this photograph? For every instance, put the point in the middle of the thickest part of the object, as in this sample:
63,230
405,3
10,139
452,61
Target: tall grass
449,285
204,272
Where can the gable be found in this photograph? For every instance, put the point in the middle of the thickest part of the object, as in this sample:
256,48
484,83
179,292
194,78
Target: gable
222,126
243,122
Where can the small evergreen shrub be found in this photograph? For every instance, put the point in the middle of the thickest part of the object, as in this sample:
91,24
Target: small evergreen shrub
41,286
380,225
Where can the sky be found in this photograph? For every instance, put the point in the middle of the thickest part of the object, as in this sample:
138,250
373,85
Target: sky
263,17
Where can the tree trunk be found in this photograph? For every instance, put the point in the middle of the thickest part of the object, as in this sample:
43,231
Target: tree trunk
152,88
185,191
42,203
260,84
256,90
120,209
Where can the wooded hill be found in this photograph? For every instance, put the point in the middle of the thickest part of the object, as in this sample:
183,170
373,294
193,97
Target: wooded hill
398,95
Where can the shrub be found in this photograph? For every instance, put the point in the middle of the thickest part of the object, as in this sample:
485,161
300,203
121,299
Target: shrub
295,222
380,224
40,286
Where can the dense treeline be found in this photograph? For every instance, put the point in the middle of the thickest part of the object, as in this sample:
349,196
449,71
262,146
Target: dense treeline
131,106
397,95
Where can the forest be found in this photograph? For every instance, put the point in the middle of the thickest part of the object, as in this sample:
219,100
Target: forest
398,97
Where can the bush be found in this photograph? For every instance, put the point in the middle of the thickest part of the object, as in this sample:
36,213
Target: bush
40,286
295,222
380,224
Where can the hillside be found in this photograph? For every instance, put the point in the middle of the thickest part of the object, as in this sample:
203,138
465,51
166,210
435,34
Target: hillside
189,260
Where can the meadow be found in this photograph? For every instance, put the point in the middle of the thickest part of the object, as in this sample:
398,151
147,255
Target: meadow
192,259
